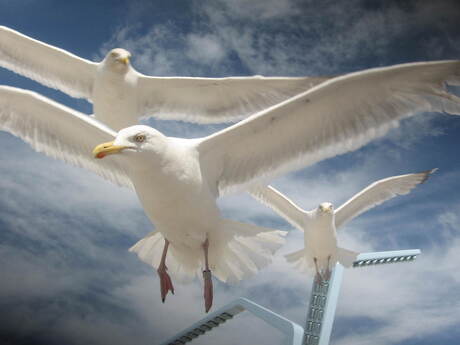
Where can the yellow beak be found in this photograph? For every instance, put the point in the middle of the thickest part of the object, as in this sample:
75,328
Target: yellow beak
104,149
125,60
327,209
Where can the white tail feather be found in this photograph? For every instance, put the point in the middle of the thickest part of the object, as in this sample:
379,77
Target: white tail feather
304,262
346,257
299,260
237,251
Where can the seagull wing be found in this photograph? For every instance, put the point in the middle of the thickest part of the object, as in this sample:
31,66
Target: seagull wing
282,205
334,117
215,100
58,131
46,64
377,193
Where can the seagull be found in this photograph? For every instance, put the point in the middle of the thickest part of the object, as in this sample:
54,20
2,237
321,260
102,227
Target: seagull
178,180
121,95
319,225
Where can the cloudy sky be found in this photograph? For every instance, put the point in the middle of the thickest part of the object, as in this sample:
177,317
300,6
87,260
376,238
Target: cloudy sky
66,275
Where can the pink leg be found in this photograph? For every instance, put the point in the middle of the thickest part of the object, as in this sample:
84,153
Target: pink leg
318,276
207,277
327,275
165,280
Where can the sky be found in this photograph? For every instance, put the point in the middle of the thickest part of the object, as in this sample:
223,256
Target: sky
66,274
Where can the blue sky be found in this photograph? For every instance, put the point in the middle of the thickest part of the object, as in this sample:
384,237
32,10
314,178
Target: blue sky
67,277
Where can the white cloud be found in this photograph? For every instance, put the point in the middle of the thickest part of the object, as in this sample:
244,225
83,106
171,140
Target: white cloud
204,48
288,38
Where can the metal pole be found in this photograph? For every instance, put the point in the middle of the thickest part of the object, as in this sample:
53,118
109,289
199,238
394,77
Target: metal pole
321,311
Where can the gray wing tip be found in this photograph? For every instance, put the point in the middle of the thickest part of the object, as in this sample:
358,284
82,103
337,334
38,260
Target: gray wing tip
427,173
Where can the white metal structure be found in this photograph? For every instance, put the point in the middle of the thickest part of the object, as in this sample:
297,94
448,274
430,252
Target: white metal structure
321,311
293,331
324,295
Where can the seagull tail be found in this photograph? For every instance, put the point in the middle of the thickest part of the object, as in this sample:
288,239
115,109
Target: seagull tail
245,249
299,260
237,251
346,257
180,265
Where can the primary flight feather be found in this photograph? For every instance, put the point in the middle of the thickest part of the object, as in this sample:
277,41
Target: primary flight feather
121,95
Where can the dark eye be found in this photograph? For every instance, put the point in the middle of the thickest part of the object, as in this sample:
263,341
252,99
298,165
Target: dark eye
139,138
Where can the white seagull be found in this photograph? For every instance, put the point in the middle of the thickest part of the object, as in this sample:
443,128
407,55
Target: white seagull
321,252
121,95
178,180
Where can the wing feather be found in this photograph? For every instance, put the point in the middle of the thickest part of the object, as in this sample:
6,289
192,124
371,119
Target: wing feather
334,117
58,131
377,193
281,204
46,64
215,100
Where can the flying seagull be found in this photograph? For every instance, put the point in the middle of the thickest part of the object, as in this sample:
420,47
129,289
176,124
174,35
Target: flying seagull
121,95
178,180
319,225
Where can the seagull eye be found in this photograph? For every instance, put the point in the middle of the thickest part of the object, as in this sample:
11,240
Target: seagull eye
140,138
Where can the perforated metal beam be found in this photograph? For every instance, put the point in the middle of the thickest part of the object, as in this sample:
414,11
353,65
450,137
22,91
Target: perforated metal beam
392,257
325,294
293,332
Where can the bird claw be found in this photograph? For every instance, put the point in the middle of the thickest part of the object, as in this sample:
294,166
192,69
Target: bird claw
208,289
165,283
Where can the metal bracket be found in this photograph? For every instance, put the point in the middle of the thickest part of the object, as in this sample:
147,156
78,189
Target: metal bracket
321,311
293,331
325,294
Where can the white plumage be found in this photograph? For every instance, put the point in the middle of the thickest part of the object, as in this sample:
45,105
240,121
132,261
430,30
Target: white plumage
121,95
178,180
320,224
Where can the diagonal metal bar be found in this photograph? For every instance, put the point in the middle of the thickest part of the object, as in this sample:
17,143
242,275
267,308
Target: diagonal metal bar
390,257
293,331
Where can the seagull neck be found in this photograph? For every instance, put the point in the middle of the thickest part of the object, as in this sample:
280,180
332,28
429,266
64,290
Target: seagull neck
115,71
325,218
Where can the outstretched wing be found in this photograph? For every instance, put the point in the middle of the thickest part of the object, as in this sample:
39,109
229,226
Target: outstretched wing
282,205
46,64
215,100
58,131
377,193
336,116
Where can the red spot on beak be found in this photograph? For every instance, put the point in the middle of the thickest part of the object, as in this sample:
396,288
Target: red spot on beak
100,155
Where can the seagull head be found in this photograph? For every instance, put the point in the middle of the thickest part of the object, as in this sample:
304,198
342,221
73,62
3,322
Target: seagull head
118,59
326,208
132,140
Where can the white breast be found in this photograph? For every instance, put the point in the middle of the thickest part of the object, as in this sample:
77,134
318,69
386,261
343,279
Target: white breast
115,98
176,200
320,237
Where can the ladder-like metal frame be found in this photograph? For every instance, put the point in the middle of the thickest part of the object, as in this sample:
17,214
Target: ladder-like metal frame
325,294
293,331
321,311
